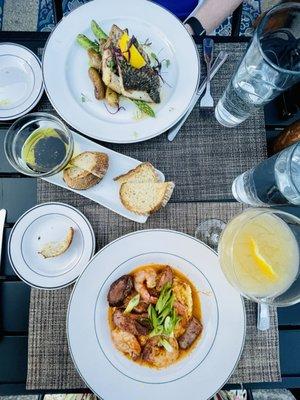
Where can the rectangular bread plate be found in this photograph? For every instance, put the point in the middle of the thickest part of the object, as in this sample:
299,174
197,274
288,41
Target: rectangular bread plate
105,192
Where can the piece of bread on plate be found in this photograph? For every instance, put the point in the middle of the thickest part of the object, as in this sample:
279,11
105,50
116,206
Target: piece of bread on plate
79,179
55,249
145,198
142,173
92,161
86,170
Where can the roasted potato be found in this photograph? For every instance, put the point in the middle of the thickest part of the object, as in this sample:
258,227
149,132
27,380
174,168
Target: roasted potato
95,59
99,87
112,97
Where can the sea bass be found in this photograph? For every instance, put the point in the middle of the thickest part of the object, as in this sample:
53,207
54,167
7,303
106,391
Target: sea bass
119,75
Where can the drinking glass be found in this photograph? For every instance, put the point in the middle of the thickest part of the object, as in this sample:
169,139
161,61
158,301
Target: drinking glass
275,181
20,131
270,65
259,256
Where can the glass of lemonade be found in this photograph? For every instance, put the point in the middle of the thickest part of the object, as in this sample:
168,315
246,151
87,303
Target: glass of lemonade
39,144
259,255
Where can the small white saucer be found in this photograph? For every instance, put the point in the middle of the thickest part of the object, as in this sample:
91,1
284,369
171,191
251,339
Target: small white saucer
21,81
46,223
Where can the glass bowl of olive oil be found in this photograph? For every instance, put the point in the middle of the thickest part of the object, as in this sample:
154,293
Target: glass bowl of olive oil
39,144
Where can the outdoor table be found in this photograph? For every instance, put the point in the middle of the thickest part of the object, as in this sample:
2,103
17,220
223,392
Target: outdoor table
19,193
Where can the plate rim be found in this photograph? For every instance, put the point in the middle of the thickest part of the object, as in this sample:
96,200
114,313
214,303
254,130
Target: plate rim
120,141
19,220
165,230
42,86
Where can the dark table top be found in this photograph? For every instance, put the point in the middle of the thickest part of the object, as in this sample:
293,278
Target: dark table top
18,194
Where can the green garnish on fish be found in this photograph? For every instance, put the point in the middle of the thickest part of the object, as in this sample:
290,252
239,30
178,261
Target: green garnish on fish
144,107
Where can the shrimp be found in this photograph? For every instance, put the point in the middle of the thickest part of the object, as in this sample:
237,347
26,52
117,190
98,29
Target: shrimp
126,342
157,355
166,276
143,280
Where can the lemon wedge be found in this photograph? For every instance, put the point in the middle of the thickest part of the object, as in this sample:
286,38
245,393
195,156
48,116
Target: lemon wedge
132,55
263,265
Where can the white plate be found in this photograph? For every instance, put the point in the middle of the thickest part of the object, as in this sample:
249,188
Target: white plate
21,81
106,192
65,66
40,225
204,371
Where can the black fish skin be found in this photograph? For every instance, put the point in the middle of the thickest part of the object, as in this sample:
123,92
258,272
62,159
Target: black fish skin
144,79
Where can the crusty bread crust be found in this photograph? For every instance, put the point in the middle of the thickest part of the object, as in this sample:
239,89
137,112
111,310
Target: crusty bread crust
50,250
133,174
128,204
99,165
86,170
83,181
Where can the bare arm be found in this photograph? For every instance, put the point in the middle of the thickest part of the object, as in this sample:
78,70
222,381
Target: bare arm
211,13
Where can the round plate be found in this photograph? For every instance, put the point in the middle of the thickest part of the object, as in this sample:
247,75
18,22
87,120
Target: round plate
223,317
65,66
21,81
49,222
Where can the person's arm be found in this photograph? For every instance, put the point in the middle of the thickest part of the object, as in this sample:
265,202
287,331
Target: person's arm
210,14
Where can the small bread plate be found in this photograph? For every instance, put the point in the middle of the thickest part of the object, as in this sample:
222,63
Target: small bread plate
21,81
210,361
106,192
172,70
50,245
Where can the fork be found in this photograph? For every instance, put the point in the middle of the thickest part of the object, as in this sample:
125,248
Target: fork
208,46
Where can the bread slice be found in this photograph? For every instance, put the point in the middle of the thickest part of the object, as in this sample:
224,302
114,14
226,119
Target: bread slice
145,197
92,161
79,179
54,249
142,173
86,170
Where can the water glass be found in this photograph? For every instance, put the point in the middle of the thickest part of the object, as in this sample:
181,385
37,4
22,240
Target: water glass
270,66
275,181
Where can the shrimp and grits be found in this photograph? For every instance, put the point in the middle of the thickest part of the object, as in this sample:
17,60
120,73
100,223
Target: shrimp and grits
154,315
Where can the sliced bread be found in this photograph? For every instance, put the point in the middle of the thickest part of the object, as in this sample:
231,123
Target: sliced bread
79,179
92,161
145,197
142,173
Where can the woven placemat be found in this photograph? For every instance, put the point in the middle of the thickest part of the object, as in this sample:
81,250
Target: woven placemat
49,363
205,158
202,161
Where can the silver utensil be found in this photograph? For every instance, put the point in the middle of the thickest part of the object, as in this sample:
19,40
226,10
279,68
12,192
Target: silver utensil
219,61
263,317
208,49
2,221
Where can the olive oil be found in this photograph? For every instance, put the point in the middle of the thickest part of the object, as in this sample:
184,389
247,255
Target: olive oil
44,150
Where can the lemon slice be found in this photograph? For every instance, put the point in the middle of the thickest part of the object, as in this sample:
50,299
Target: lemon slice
132,55
264,266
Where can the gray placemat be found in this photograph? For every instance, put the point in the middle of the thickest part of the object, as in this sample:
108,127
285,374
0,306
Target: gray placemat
49,363
202,161
205,158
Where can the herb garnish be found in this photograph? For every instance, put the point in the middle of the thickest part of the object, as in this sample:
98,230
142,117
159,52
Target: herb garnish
132,303
163,316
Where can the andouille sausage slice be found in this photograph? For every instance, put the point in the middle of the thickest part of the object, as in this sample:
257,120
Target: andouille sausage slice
128,324
193,330
119,290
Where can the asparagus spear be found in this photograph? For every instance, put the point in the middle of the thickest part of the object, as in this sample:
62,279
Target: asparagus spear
97,31
144,107
86,43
